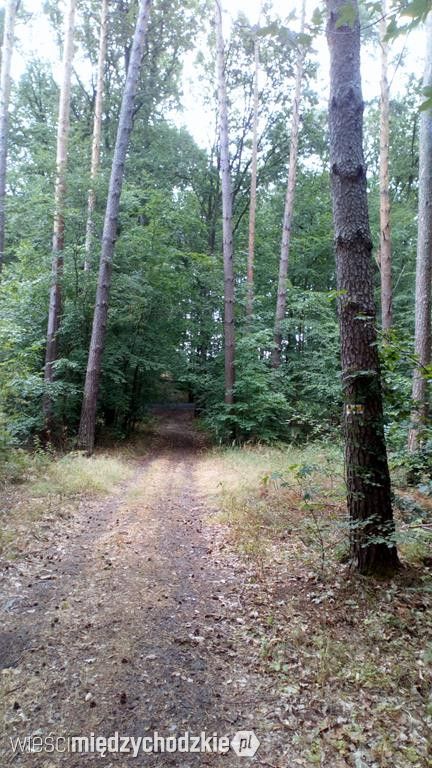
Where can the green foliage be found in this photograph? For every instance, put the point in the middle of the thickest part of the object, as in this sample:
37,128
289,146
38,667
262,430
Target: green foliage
165,330
18,465
347,16
261,412
414,10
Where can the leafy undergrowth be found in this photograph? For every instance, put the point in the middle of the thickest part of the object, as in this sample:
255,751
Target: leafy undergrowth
43,486
350,658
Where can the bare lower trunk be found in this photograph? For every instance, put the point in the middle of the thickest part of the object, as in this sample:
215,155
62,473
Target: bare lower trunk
289,203
59,221
228,246
5,85
424,263
252,207
367,474
109,236
97,129
385,231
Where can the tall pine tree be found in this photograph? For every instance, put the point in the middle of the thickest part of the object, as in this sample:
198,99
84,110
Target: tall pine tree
367,473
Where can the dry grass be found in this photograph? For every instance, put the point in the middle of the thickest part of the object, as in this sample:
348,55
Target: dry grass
241,470
75,474
50,489
266,494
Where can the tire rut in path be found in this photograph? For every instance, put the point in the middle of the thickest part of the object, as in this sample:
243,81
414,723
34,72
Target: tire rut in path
188,640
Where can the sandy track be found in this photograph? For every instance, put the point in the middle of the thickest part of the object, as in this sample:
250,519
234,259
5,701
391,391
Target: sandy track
139,628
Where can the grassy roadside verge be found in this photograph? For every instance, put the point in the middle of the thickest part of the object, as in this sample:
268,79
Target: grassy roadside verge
39,488
269,494
350,658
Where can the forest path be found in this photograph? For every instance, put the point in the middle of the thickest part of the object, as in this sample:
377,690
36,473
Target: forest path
134,624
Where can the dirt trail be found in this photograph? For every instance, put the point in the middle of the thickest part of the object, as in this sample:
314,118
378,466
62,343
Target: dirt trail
134,624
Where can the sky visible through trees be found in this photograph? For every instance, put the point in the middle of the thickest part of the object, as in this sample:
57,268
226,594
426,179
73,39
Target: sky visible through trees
194,114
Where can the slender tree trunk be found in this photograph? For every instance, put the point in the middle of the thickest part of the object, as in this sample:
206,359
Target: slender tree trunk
109,235
228,245
97,129
385,231
367,474
5,86
59,221
252,206
424,262
289,202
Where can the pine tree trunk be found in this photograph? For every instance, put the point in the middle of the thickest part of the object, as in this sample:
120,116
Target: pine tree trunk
109,235
59,221
5,86
385,231
228,245
97,129
424,262
253,189
289,203
367,474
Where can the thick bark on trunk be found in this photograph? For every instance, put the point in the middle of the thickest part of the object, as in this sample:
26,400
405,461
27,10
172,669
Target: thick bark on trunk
97,129
5,86
109,236
424,262
385,231
228,245
367,474
289,203
59,221
252,206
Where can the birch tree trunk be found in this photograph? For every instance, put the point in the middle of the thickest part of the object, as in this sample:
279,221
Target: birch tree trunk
97,129
385,231
109,235
228,245
5,86
59,221
367,474
252,206
424,262
289,202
